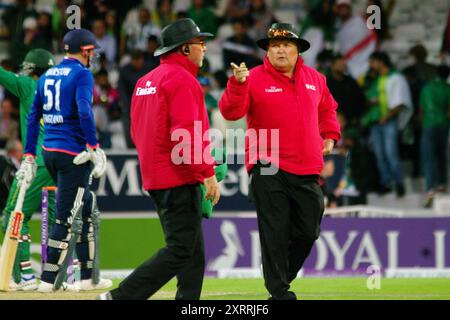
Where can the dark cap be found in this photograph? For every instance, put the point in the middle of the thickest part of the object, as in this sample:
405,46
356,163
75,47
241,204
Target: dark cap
39,58
284,31
136,54
79,39
381,56
177,33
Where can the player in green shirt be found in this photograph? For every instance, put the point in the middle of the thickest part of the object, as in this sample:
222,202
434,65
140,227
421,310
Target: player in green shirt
36,62
435,114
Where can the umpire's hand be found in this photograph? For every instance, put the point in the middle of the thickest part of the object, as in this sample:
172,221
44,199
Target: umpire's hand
212,189
240,72
328,145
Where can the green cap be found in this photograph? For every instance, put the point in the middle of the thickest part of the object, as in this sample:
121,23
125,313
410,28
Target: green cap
39,58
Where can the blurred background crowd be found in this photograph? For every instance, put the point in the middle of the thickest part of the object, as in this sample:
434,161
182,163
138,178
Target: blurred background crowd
408,52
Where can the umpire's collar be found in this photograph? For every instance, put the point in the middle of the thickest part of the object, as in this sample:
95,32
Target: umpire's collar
176,58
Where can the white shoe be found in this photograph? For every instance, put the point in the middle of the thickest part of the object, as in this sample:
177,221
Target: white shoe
24,285
104,296
87,285
45,287
69,287
13,286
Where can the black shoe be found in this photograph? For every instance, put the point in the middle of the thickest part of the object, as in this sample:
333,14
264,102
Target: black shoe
289,295
429,202
383,190
400,190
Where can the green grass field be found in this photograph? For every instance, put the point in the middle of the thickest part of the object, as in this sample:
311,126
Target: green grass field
305,288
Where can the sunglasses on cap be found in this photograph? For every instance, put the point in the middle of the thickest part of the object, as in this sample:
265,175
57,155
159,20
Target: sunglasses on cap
278,33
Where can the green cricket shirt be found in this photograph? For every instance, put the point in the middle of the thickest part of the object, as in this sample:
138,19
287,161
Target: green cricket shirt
435,103
24,88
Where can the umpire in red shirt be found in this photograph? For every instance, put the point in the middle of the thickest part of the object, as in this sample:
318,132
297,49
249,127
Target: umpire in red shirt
168,116
291,100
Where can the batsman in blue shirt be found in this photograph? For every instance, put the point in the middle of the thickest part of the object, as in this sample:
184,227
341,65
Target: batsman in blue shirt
63,101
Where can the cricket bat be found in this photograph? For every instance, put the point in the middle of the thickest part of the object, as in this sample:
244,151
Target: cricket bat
11,241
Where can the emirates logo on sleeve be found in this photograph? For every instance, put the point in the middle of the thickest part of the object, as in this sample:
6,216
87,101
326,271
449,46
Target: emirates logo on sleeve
147,90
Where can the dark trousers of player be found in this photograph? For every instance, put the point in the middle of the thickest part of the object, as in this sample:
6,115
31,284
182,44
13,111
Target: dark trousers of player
289,209
68,177
179,210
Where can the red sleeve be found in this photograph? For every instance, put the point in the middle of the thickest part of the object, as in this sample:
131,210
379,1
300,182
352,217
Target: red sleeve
187,127
235,100
328,125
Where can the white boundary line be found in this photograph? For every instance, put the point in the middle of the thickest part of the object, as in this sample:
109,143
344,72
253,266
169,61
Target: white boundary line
418,273
153,214
252,273
342,212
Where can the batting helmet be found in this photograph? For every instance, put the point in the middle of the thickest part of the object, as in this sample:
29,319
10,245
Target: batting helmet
79,39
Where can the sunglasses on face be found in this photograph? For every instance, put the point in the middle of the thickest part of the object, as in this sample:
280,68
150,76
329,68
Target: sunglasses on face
201,43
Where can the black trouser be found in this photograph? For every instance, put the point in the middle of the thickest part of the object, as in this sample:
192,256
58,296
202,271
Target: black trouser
68,178
179,210
289,209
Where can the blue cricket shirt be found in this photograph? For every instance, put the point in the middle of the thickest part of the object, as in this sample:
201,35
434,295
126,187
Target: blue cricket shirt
63,101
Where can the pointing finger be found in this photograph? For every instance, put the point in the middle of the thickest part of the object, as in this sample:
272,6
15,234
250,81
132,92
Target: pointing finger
234,65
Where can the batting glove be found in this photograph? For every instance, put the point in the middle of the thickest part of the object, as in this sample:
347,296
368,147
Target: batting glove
98,158
27,170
